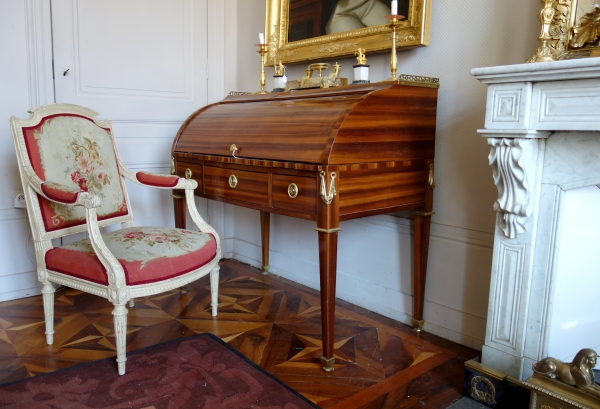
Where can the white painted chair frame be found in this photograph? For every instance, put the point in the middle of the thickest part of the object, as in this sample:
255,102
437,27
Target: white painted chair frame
117,291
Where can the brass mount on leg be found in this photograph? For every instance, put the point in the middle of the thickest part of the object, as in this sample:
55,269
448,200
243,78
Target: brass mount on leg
327,363
265,270
417,325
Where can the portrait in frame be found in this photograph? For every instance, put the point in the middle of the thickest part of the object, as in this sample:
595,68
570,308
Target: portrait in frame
309,30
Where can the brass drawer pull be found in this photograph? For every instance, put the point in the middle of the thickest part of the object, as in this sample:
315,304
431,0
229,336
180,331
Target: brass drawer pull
188,173
233,149
233,181
293,190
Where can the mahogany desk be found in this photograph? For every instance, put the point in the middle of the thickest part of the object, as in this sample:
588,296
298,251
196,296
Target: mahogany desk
325,155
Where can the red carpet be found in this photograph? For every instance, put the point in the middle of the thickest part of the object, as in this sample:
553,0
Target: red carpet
195,372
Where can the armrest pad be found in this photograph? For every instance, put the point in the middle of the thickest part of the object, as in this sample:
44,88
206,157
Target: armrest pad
154,179
60,193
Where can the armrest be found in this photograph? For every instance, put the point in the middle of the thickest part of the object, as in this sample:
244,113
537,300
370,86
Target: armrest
157,180
60,193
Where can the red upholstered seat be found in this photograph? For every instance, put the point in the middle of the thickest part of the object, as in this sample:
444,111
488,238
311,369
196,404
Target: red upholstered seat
147,254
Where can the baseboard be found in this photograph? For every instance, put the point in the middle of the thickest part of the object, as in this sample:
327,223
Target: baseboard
458,326
22,285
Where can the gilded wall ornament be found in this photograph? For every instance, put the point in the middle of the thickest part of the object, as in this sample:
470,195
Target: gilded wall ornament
332,48
588,30
556,18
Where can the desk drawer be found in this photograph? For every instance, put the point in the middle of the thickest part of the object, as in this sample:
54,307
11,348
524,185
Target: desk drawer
301,197
252,187
194,170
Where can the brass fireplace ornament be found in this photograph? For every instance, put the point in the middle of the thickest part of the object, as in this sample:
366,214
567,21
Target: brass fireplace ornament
297,35
569,29
577,373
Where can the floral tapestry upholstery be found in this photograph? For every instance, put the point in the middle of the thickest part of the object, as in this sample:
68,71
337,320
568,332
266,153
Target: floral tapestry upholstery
147,254
74,152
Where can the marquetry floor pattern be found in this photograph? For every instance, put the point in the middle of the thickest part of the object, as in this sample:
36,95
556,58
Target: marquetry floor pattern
380,363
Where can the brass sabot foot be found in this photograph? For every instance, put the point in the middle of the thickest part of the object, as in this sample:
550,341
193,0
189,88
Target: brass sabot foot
417,325
327,363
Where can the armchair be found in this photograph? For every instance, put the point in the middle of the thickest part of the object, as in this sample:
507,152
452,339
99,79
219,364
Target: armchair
74,181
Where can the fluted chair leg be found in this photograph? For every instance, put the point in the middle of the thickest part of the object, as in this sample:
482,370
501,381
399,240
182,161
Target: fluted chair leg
120,318
48,298
214,289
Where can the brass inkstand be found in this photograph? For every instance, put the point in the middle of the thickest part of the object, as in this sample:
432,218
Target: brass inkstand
331,80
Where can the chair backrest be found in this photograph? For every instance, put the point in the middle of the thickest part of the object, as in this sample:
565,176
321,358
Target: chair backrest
66,144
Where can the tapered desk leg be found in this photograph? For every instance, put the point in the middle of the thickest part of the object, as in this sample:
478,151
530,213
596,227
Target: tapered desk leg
328,221
179,207
421,251
328,270
265,232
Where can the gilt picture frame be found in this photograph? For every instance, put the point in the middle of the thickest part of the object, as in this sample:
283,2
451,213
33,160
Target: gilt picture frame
412,31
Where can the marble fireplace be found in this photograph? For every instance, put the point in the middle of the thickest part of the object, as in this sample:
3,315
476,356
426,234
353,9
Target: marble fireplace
543,127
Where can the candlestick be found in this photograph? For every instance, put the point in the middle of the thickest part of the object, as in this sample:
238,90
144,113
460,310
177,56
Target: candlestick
262,50
394,21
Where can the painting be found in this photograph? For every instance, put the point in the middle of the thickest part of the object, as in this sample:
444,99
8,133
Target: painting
308,30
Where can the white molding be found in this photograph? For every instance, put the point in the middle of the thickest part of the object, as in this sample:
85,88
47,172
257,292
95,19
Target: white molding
149,165
506,294
540,71
83,89
143,121
216,27
566,105
39,52
9,215
508,106
550,265
29,291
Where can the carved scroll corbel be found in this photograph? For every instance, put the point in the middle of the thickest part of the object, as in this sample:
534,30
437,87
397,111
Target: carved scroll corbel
510,176
328,197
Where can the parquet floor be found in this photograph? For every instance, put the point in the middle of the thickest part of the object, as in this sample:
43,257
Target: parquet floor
380,363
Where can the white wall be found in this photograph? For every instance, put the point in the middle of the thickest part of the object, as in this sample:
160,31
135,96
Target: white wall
26,82
18,94
464,34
